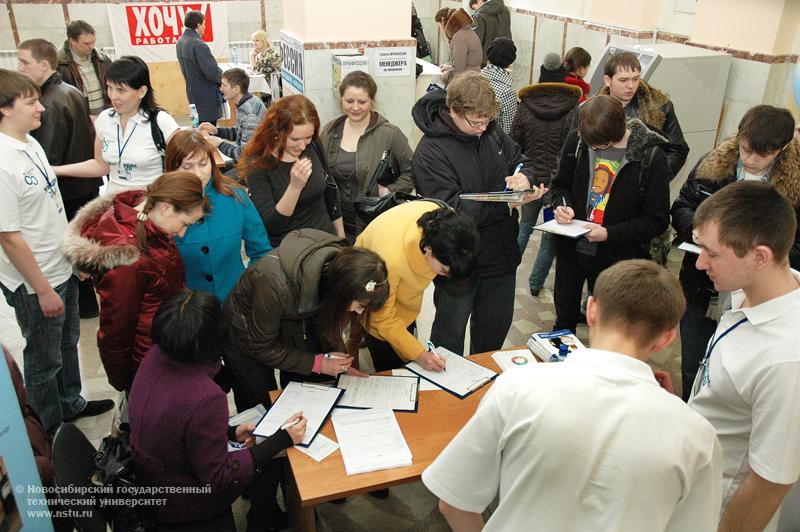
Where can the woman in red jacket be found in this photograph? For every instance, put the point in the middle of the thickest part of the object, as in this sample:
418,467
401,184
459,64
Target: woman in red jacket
126,243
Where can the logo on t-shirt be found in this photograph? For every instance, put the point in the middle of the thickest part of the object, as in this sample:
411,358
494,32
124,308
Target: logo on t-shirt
605,170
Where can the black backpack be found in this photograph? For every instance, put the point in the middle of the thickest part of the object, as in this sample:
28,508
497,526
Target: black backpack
158,136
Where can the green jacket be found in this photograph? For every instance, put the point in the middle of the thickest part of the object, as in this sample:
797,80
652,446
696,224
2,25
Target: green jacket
379,136
492,20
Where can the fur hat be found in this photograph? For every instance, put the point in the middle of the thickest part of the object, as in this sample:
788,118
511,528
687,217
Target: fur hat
501,52
552,69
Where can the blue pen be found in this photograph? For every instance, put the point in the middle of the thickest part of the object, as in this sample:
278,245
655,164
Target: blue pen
517,169
432,349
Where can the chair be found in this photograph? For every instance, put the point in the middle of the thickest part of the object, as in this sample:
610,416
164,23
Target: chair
73,464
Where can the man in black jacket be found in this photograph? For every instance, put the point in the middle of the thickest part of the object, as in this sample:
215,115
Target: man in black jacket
66,135
463,150
762,150
648,104
199,68
613,178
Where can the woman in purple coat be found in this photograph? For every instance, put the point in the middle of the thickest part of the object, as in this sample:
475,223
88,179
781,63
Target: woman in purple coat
179,424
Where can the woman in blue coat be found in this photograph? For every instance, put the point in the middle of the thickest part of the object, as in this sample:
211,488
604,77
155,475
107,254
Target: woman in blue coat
211,248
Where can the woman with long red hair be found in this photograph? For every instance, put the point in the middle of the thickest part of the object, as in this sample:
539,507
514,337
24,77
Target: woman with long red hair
212,250
285,172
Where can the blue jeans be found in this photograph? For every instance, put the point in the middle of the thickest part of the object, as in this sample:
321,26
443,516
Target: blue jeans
50,358
546,255
696,331
529,214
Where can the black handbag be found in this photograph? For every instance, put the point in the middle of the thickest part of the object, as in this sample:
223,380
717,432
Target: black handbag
115,475
386,172
331,190
368,207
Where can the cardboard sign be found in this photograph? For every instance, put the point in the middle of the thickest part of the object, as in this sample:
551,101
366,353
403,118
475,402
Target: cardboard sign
394,62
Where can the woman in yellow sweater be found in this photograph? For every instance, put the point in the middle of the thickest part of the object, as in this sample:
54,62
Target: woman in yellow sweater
418,240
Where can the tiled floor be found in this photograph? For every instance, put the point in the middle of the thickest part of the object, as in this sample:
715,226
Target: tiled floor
410,507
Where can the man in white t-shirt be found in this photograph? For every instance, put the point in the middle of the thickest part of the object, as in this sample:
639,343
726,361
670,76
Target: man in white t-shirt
35,278
592,443
748,384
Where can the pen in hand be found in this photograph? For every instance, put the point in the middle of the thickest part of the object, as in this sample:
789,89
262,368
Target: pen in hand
292,423
516,170
432,349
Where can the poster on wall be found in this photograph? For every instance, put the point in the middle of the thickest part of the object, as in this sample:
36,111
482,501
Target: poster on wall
152,30
292,65
23,501
393,61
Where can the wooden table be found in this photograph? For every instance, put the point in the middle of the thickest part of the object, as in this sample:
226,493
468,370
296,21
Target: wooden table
439,417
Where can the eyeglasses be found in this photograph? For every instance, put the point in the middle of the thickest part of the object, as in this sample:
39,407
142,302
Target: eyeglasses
484,123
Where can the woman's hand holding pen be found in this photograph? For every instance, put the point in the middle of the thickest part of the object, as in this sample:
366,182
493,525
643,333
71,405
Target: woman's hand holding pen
336,363
296,427
563,214
430,361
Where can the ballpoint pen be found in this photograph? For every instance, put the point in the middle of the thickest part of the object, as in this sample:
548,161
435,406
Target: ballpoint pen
331,356
432,349
291,423
517,169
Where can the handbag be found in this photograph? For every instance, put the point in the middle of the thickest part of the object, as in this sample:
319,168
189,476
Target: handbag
115,474
369,207
331,190
386,172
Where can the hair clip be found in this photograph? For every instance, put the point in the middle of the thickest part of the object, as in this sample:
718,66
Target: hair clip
370,286
142,217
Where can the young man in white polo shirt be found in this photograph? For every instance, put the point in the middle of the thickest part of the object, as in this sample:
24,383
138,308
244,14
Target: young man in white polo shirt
35,278
592,443
748,385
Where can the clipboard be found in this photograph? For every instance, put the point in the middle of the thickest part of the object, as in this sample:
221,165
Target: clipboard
267,427
484,377
506,196
345,402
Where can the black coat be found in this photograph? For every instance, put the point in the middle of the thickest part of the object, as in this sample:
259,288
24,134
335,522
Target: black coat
203,76
448,162
713,171
67,134
542,122
632,217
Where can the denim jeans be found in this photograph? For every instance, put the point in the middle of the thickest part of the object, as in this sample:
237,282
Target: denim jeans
50,358
529,214
696,331
543,263
487,303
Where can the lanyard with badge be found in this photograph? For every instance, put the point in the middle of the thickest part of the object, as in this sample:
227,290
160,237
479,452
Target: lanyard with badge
711,345
121,149
50,189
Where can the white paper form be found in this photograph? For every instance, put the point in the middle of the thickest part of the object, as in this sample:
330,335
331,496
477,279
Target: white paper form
574,229
379,391
320,448
691,248
370,440
313,400
424,386
461,376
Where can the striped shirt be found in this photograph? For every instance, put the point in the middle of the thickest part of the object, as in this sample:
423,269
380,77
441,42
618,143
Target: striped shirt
92,90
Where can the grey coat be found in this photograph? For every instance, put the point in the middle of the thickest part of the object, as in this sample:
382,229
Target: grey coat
203,76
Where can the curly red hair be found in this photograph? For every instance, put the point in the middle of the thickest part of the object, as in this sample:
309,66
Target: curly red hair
266,146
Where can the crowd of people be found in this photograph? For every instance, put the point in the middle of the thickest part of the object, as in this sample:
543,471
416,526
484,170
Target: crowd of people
208,278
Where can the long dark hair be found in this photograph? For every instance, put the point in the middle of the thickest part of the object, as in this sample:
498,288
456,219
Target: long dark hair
132,71
355,274
453,239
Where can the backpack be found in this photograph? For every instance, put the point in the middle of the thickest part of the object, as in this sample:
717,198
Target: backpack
158,136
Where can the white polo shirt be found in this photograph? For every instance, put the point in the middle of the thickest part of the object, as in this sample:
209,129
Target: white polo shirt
132,155
749,389
30,203
592,443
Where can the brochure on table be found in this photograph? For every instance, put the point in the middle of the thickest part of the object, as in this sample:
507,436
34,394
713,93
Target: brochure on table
517,358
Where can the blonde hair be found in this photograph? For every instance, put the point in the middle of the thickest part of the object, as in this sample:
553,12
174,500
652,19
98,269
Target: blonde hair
261,35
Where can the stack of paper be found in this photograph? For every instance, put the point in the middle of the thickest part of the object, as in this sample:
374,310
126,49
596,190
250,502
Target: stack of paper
424,386
574,229
379,391
518,358
320,448
370,440
461,376
545,345
314,401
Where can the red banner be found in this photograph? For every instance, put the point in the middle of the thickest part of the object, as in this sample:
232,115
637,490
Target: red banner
163,23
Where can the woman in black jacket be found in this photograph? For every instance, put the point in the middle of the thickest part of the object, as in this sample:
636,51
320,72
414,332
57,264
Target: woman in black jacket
613,178
463,150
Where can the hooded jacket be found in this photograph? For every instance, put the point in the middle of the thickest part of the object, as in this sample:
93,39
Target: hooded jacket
492,20
271,308
448,162
67,134
655,109
713,171
542,122
71,72
131,283
380,135
632,216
